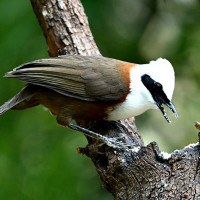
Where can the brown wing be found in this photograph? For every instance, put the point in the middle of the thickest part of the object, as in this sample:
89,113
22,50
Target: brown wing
89,78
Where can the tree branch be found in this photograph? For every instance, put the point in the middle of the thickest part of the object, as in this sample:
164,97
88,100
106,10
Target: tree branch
65,27
142,172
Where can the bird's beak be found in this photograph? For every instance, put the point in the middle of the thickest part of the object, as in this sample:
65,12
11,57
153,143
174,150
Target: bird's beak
171,107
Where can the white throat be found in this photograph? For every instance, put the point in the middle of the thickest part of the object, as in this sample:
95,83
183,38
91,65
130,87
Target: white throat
137,101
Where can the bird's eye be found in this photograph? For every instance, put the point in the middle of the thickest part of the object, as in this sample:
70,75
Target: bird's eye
158,85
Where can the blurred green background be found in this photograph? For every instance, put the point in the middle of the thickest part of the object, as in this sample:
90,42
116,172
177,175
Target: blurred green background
38,158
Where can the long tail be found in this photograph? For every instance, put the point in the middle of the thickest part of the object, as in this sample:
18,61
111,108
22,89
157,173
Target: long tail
26,93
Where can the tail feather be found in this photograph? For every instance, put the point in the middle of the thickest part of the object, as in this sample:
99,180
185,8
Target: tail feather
24,94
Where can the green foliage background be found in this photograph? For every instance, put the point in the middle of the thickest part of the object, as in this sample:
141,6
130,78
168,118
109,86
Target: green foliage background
38,159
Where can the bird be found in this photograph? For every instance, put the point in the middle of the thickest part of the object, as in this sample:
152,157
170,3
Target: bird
92,88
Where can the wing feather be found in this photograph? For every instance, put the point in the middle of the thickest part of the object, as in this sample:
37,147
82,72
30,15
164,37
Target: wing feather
89,78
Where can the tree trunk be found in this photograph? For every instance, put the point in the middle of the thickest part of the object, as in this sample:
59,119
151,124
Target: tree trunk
141,172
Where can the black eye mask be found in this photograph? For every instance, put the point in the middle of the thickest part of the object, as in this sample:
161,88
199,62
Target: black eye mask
156,90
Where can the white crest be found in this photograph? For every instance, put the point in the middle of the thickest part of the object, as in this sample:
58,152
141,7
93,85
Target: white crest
162,71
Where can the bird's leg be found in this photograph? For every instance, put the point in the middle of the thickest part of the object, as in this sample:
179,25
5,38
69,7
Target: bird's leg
112,142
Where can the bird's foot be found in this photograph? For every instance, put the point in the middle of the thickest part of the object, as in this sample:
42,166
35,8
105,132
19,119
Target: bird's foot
115,142
112,142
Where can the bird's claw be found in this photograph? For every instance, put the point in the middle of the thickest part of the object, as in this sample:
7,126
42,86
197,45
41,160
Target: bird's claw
115,142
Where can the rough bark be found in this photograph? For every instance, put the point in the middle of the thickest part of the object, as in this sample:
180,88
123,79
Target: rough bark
141,172
65,27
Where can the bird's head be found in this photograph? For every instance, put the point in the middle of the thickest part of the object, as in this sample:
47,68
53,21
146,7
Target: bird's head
158,78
